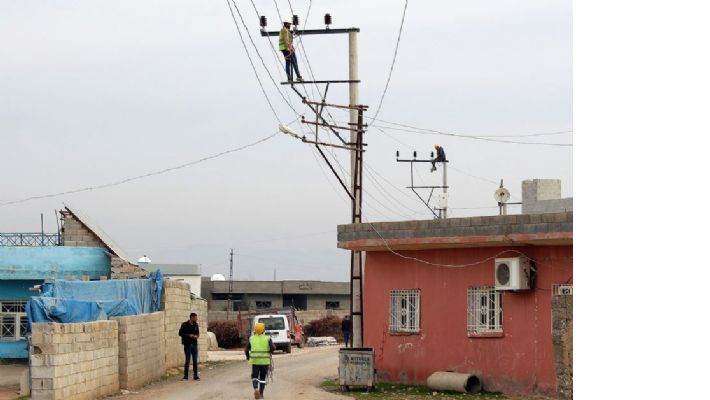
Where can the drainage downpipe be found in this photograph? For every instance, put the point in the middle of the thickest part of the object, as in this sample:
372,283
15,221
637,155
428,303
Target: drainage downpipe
454,381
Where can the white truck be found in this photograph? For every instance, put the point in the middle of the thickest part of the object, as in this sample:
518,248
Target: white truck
282,330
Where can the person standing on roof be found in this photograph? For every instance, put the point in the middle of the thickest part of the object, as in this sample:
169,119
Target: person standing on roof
286,48
258,352
440,157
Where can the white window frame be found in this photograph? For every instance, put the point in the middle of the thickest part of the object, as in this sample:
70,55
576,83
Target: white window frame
12,322
405,307
485,311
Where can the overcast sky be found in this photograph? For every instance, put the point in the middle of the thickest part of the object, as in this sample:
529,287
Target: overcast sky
93,92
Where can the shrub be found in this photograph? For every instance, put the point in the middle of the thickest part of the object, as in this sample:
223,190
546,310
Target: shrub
227,333
326,326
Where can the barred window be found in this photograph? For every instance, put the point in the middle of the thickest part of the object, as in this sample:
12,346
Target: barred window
332,305
404,310
13,320
485,310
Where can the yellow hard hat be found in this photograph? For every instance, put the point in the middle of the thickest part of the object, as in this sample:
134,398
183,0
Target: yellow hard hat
259,328
436,146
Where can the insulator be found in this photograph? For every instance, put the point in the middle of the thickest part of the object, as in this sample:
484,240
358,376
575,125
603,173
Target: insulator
295,20
397,153
328,19
432,154
262,21
415,154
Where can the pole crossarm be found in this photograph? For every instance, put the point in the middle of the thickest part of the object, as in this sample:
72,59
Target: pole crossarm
320,103
304,140
313,31
317,82
426,161
318,114
427,187
330,126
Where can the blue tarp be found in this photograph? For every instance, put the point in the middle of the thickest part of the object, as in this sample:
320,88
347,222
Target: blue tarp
79,301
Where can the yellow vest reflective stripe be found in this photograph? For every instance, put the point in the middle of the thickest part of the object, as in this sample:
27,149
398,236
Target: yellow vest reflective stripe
259,353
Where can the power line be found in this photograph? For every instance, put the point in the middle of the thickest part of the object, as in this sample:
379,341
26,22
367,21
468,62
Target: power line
394,58
422,131
162,171
478,136
246,50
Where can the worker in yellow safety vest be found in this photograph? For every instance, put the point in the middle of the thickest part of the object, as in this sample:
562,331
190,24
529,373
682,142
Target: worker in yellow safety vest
289,52
258,352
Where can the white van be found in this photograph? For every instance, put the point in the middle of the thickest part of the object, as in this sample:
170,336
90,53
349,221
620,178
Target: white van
277,329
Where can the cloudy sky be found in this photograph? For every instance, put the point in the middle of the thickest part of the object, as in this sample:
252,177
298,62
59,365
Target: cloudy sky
94,92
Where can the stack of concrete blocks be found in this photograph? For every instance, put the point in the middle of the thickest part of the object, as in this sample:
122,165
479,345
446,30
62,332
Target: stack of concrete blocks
175,302
199,307
74,361
544,196
562,344
141,349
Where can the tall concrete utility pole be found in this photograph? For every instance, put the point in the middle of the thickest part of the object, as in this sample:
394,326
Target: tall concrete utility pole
445,206
356,187
231,271
355,145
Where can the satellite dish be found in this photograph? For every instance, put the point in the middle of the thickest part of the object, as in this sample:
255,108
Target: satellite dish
218,277
502,195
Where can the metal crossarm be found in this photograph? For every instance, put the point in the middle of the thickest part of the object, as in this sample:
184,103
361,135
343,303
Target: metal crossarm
312,31
317,82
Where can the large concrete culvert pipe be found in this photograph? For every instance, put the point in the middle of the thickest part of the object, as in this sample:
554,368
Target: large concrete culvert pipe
454,381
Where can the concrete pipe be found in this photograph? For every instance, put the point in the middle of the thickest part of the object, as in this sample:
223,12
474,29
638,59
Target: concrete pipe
454,381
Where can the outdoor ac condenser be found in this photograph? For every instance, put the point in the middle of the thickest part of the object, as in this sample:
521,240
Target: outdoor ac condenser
512,273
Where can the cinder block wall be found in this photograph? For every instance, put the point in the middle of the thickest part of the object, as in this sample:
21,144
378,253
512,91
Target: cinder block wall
74,361
199,307
141,349
176,304
562,343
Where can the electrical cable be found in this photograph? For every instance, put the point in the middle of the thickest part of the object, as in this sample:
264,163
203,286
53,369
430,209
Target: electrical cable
159,172
246,50
394,58
422,131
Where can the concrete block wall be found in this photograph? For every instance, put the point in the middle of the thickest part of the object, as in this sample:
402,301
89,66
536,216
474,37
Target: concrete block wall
562,344
176,304
77,234
199,307
122,269
141,349
74,361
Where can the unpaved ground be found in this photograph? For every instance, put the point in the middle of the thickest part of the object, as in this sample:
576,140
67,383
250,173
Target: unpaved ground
297,376
10,380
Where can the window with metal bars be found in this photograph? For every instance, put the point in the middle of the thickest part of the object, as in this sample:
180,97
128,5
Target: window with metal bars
404,310
13,320
485,310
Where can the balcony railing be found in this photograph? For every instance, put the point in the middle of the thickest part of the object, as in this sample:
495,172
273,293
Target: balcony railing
30,239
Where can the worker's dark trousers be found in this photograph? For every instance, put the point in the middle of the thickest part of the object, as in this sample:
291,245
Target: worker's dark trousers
346,337
291,64
190,351
258,376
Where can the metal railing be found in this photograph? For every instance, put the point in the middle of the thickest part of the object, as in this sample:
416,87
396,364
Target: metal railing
30,239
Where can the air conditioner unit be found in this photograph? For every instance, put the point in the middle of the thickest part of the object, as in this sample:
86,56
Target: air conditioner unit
512,273
564,290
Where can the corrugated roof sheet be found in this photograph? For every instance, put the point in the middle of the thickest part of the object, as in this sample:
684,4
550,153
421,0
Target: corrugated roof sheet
100,233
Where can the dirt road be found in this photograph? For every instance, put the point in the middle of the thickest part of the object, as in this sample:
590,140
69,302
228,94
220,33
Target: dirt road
296,376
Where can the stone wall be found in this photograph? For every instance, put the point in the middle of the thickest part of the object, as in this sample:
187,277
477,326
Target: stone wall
141,349
74,361
199,307
176,304
562,343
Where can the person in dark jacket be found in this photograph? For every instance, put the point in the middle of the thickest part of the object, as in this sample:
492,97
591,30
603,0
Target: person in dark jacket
189,332
347,328
440,157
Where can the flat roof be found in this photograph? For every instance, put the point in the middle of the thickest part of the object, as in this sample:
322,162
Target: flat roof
554,229
173,269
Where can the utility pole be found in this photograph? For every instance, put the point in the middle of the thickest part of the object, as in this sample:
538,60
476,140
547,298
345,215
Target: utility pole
445,200
231,271
444,203
355,145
